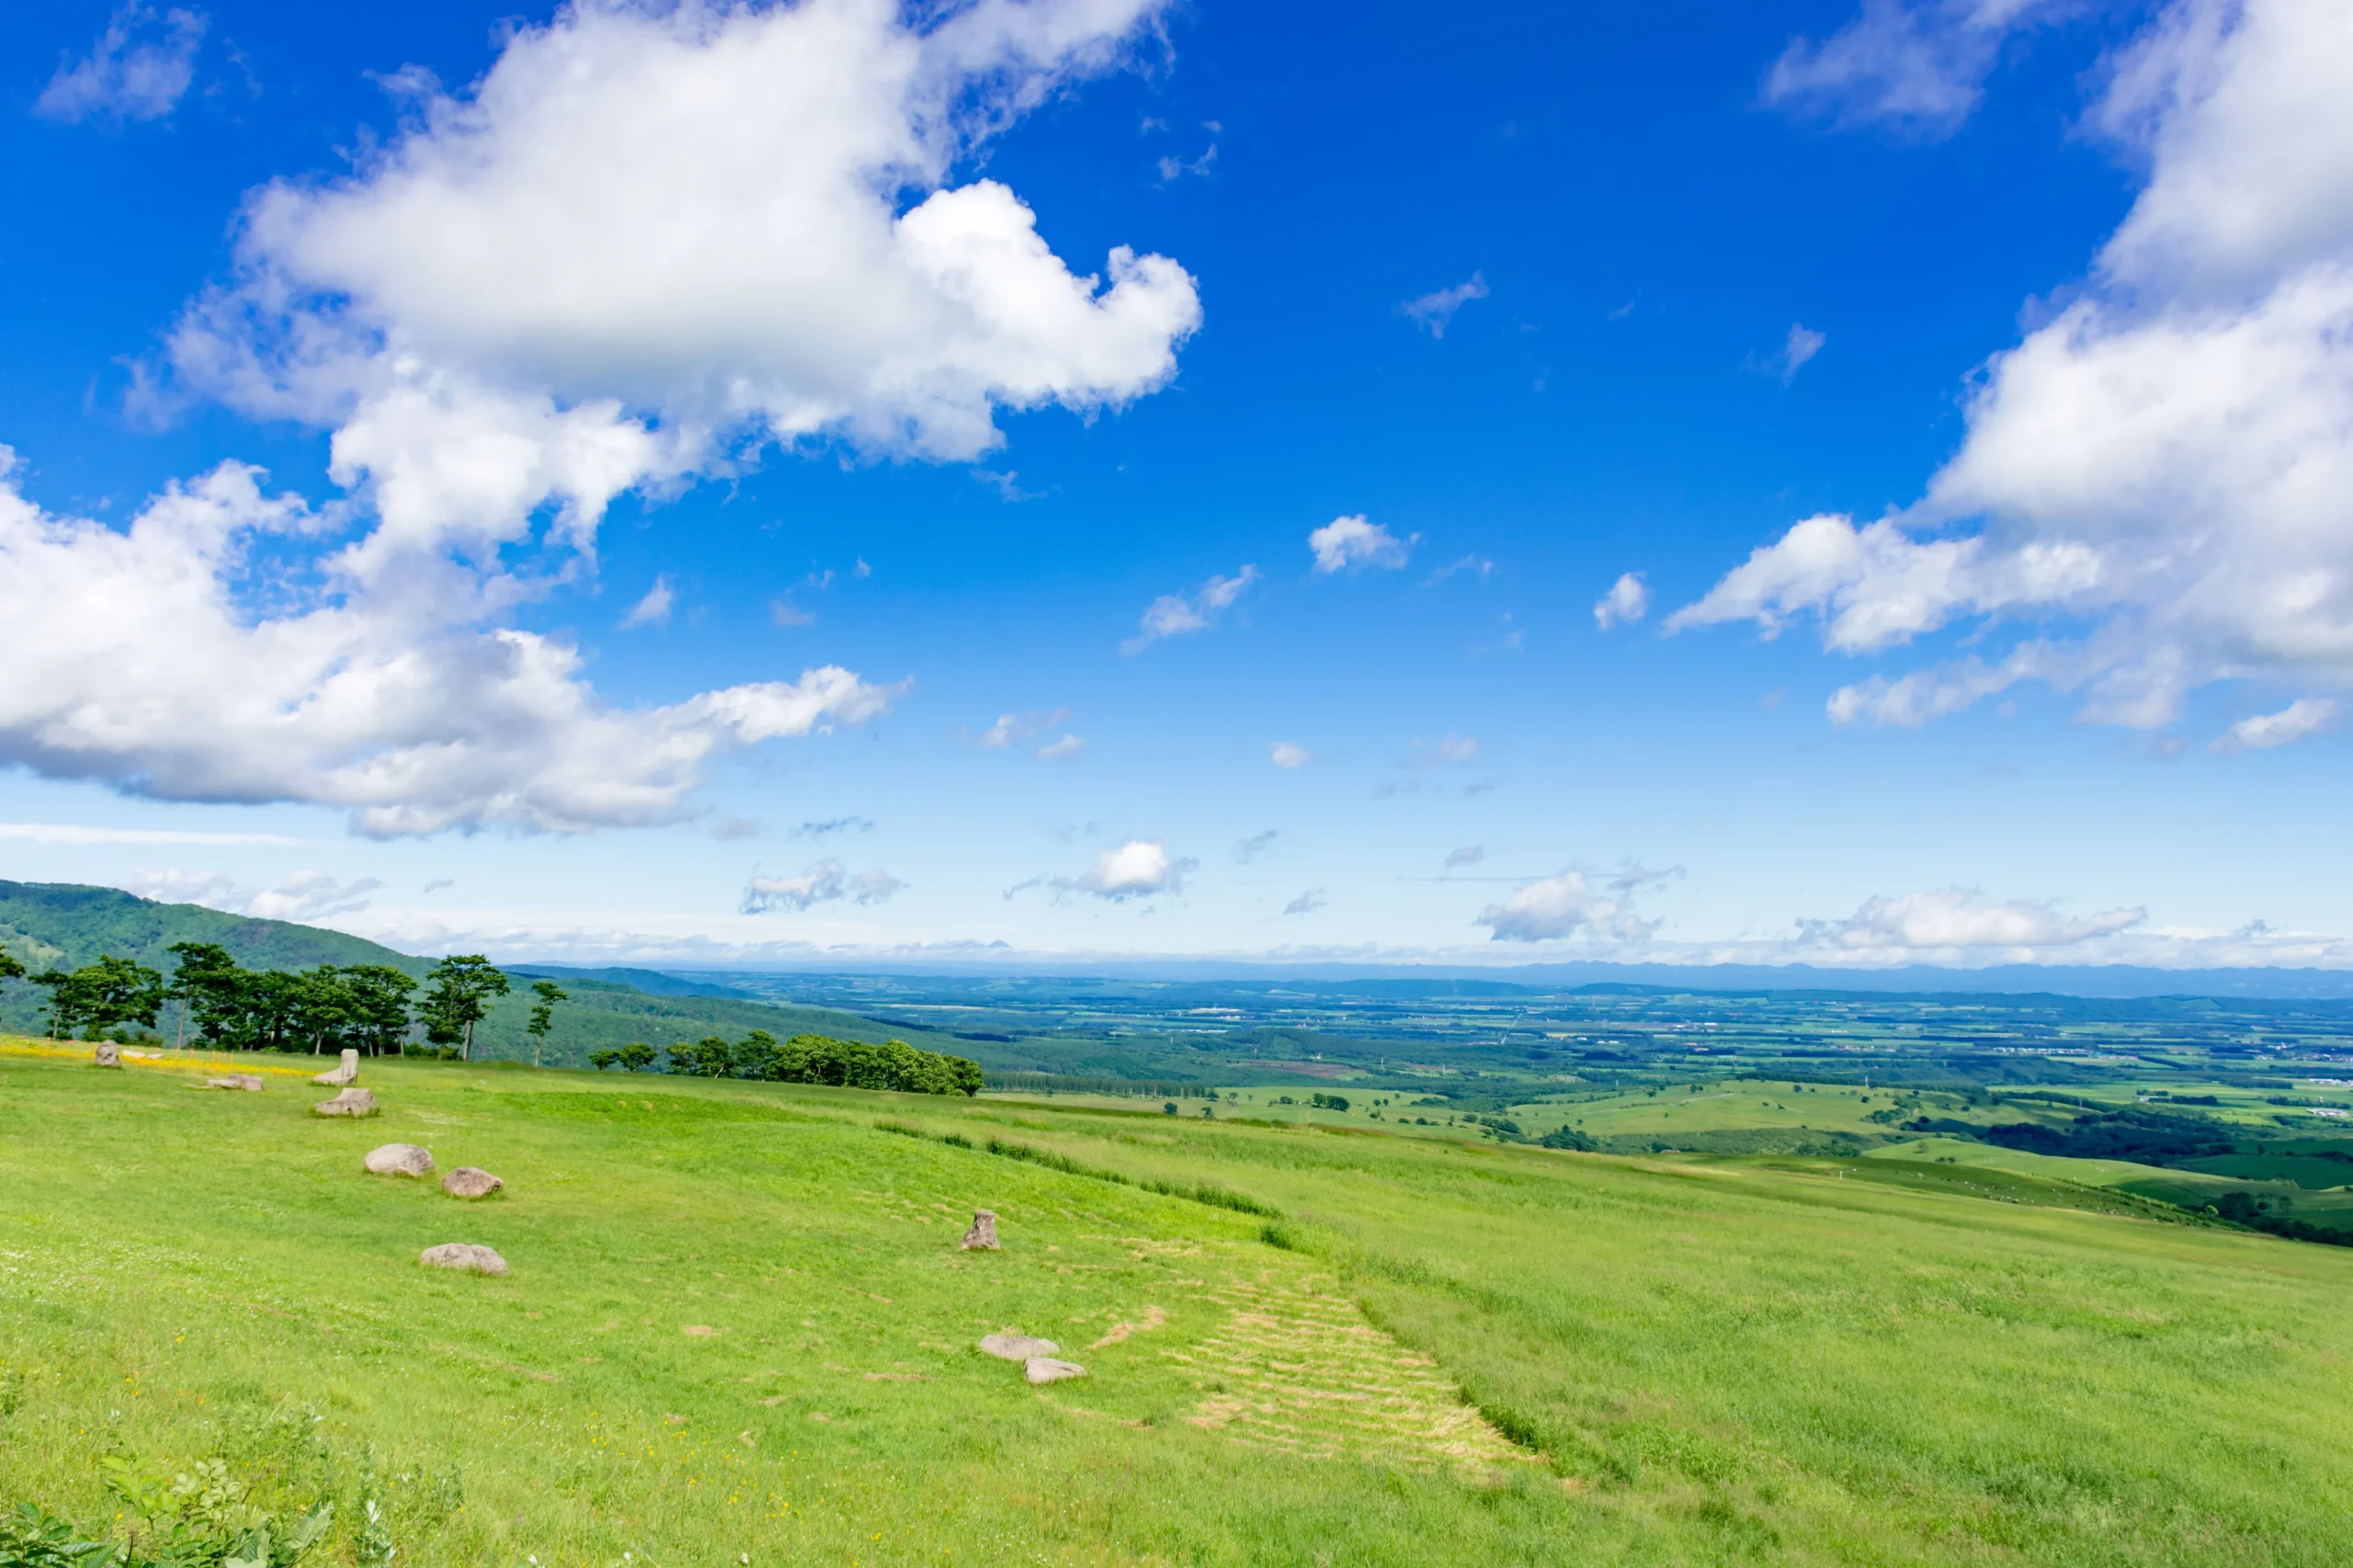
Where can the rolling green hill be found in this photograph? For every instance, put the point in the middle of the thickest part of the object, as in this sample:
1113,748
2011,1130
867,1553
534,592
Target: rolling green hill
739,1329
66,925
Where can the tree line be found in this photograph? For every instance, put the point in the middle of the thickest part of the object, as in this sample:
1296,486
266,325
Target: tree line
807,1059
371,1008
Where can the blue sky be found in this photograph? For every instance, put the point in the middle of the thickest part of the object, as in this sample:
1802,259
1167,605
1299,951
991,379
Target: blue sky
1094,477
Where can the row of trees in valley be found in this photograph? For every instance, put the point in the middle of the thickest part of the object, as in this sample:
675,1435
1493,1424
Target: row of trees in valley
808,1059
372,1009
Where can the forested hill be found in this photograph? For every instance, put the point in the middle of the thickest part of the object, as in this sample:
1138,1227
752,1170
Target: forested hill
66,926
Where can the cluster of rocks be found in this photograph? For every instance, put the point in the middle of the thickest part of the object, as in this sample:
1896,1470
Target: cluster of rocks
409,1160
466,1181
250,1082
1039,1358
345,1073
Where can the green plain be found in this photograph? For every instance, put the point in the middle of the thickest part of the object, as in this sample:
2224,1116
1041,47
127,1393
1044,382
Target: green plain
1442,1352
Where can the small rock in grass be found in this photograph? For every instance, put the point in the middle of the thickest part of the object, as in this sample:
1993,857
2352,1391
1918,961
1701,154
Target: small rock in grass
107,1055
399,1159
983,1232
1016,1346
351,1102
1046,1369
471,1181
463,1256
249,1081
337,1077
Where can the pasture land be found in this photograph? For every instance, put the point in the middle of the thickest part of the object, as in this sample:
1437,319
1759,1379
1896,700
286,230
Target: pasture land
739,1328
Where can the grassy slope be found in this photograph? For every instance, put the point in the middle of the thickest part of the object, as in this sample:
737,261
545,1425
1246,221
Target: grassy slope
1721,1361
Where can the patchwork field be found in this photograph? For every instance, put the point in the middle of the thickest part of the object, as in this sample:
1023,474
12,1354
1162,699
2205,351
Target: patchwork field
738,1328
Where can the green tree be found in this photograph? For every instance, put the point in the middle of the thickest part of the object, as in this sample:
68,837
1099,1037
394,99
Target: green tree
10,969
378,1001
603,1059
108,994
457,998
636,1056
543,1014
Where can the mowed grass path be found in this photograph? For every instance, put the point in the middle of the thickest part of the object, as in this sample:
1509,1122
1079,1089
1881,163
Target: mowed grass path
1692,1363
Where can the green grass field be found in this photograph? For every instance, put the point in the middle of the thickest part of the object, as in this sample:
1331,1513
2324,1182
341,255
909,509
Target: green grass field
739,1329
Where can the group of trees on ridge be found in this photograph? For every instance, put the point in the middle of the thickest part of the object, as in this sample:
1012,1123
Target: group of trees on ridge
371,1008
808,1059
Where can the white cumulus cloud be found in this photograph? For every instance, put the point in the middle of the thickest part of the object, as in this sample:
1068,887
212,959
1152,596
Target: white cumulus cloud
1556,907
649,241
140,68
1290,754
135,662
1948,919
1628,600
1345,543
1138,868
2156,479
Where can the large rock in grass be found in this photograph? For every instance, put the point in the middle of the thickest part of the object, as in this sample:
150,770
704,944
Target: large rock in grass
983,1235
250,1081
399,1159
1016,1346
1046,1369
464,1255
348,1073
351,1102
471,1181
106,1054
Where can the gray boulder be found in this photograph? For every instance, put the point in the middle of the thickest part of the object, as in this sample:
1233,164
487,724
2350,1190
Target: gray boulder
1016,1346
1046,1369
351,1102
471,1181
399,1159
106,1054
463,1256
983,1235
250,1081
348,1073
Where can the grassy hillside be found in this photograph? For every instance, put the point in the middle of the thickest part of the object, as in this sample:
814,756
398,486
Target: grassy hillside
739,1328
67,925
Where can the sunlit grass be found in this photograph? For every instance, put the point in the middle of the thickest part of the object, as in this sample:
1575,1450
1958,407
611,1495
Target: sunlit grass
1670,1361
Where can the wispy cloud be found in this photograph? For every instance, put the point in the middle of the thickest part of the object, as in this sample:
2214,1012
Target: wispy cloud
833,826
1435,311
2304,717
1479,564
1469,854
828,881
1062,749
1627,600
305,895
1257,843
1174,615
1451,751
74,834
1307,903
140,68
1290,754
1802,343
654,609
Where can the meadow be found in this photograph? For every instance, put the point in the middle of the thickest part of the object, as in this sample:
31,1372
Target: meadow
739,1329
